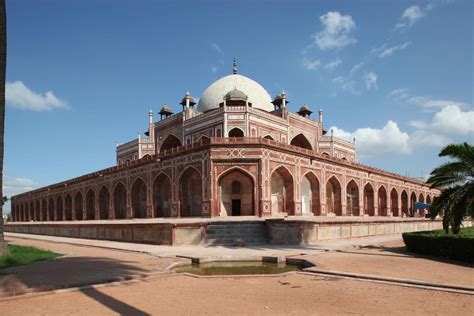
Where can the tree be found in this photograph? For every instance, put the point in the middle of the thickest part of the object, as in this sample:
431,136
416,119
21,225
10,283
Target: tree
456,179
3,64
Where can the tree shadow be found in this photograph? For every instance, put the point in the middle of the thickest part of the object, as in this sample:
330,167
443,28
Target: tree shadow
65,272
112,303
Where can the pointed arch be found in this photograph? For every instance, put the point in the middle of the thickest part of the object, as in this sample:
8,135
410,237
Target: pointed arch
32,211
269,137
236,132
382,201
68,207
170,142
190,184
333,196
421,198
59,208
394,202
404,202
162,196
236,192
38,211
412,204
104,201
139,199
352,201
51,209
310,191
78,204
301,141
21,213
428,199
90,204
369,208
120,201
282,188
44,210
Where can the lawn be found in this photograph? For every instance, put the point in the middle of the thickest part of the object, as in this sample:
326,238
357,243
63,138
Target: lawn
23,255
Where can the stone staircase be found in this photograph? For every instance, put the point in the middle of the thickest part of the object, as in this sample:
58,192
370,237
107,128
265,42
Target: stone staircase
234,233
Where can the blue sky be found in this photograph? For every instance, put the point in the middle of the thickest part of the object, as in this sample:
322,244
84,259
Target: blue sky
81,75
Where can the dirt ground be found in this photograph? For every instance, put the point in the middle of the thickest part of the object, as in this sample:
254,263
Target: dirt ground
294,294
165,294
390,259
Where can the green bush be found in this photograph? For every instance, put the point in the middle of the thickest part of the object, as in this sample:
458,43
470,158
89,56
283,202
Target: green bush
438,243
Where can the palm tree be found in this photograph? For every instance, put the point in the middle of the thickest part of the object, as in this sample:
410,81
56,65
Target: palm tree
456,179
3,63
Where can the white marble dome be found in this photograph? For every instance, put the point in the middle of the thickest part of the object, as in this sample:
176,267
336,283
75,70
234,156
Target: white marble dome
215,93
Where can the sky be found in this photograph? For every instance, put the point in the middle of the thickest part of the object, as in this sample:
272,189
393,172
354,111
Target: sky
82,75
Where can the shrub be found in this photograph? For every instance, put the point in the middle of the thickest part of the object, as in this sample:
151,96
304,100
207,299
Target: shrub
438,243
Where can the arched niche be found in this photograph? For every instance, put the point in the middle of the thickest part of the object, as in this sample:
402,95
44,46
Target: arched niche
282,192
236,132
139,190
310,202
301,141
120,201
352,199
190,184
333,197
236,190
162,196
170,142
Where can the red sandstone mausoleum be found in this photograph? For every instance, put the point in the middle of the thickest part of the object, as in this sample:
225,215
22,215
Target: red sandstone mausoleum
236,152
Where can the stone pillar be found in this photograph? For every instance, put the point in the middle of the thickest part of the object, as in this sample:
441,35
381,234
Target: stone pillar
73,206
129,203
96,205
344,196
376,202
84,205
361,202
63,199
111,205
149,196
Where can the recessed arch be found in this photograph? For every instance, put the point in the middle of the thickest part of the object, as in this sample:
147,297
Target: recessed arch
333,196
382,201
68,207
352,200
139,199
236,193
59,208
236,132
404,202
104,203
310,202
269,137
90,204
170,142
32,211
78,204
412,204
38,211
369,208
301,141
51,209
394,202
44,210
162,196
428,199
325,154
190,184
282,197
120,201
421,199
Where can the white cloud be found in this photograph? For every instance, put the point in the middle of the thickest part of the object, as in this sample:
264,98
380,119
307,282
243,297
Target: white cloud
333,64
452,120
411,15
311,64
418,124
13,186
346,84
372,142
356,68
402,95
336,31
217,48
18,95
384,51
370,80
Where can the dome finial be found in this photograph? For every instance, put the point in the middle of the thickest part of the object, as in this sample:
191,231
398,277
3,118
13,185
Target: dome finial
234,69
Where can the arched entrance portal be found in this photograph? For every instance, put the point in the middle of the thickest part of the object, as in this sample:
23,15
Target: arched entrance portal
78,206
59,209
68,207
236,132
310,203
369,200
394,202
412,204
190,193
162,196
333,197
282,191
382,201
236,194
90,205
170,142
352,202
51,209
301,141
139,199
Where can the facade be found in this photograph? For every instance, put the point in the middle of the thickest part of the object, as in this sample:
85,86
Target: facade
235,153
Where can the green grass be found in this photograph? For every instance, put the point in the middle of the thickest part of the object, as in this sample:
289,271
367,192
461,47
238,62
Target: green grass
18,255
438,243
